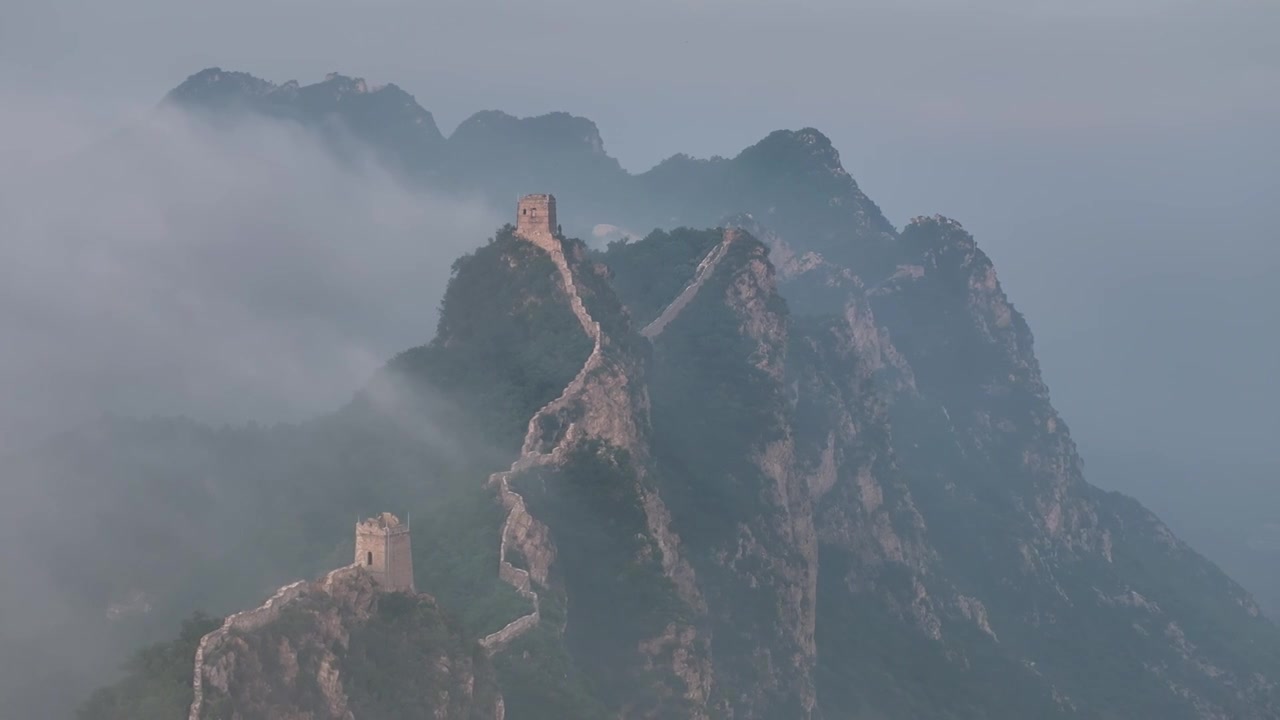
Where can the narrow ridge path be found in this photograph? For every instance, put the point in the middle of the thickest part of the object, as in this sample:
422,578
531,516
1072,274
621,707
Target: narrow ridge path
519,526
704,271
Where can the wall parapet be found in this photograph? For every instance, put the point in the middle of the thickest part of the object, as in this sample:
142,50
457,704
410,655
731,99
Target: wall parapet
245,621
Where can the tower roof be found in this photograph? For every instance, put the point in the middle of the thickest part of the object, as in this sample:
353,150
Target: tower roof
383,521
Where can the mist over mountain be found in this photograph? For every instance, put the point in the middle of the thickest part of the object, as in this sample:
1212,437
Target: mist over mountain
804,466
226,270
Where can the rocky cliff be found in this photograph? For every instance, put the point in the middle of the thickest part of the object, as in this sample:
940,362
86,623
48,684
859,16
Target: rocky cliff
340,648
802,464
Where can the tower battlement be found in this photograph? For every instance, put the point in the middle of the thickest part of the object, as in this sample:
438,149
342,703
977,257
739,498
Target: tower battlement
536,215
383,549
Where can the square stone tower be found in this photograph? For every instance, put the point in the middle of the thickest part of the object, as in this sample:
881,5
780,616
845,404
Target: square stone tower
536,215
382,548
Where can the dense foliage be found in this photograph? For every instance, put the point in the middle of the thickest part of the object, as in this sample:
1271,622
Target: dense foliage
507,343
647,274
608,565
393,670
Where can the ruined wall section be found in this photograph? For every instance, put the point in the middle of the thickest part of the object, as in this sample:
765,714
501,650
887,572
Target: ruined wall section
246,622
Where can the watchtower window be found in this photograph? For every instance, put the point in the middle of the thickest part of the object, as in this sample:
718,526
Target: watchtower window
368,558
525,211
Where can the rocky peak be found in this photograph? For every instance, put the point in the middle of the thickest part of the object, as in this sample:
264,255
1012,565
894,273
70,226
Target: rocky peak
336,87
217,87
372,112
346,83
383,117
683,162
975,337
555,132
805,147
800,189
938,241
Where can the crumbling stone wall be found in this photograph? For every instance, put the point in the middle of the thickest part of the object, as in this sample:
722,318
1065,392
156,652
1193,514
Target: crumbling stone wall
247,621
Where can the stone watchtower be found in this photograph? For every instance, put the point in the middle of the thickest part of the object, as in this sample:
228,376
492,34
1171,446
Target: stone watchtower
536,215
382,548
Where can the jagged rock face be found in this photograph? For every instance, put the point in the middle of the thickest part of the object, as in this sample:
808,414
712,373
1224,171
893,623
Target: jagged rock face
777,463
746,524
1011,514
948,500
971,353
339,649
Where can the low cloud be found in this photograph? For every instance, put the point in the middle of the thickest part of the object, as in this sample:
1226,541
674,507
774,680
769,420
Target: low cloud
229,272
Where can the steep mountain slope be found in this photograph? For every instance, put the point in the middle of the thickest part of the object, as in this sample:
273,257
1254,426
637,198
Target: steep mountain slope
744,512
585,469
801,530
1064,569
801,465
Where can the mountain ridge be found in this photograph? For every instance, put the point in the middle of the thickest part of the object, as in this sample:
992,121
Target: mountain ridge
493,144
828,483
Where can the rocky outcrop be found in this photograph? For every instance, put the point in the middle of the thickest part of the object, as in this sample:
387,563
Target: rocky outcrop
998,484
215,643
315,649
923,410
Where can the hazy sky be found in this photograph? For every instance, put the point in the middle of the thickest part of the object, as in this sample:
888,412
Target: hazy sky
705,75
1118,158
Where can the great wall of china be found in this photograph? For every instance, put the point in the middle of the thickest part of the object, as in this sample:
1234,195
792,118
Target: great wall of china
536,223
521,532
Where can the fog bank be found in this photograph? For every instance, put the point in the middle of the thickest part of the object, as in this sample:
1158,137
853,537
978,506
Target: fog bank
228,274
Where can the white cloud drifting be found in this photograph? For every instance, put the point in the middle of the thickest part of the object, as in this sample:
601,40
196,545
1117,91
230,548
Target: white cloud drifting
227,274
